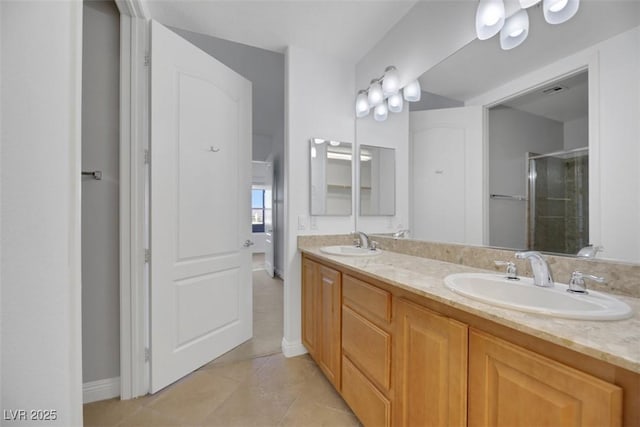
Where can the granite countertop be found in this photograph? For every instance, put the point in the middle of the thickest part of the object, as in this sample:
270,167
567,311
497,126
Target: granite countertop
616,342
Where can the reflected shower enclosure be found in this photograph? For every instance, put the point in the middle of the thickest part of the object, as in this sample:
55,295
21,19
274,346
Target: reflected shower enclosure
558,201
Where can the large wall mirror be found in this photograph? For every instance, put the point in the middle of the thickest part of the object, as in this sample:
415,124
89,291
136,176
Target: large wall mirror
516,166
377,181
330,177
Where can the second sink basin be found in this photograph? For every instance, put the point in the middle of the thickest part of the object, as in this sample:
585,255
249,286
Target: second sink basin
349,251
523,295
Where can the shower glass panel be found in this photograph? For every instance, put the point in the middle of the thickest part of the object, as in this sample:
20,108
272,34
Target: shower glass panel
558,211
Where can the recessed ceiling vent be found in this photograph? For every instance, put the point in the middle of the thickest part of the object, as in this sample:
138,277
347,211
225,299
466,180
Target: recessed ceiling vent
554,89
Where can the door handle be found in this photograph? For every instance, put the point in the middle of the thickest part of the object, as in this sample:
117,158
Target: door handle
247,243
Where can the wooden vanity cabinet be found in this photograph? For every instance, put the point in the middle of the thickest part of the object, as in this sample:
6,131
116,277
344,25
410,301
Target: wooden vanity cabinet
430,369
366,351
510,386
397,362
321,317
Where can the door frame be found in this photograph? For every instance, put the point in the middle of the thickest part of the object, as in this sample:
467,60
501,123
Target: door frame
586,60
134,141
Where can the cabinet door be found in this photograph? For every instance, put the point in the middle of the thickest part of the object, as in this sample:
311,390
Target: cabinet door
511,386
430,356
330,320
310,307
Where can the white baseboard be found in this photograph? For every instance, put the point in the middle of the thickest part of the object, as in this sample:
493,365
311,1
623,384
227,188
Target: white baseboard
94,391
293,349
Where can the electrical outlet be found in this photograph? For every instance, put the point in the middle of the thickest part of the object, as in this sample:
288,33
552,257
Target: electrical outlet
313,225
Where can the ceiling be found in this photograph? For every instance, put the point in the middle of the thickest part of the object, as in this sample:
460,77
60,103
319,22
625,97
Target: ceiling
483,65
345,29
570,103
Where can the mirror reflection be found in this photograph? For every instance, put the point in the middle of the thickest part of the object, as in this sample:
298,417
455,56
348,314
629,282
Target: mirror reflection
377,181
331,177
512,165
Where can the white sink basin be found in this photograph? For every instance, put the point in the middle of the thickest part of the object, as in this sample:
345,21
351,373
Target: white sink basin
523,295
349,251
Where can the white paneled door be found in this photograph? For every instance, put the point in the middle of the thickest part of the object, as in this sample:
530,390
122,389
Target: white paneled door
201,290
446,172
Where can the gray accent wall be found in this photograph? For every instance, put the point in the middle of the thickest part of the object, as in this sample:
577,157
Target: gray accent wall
265,70
100,211
513,133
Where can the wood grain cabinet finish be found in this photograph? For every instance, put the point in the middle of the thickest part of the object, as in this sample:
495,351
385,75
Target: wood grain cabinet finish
330,324
367,300
310,304
370,406
430,367
368,347
322,317
510,386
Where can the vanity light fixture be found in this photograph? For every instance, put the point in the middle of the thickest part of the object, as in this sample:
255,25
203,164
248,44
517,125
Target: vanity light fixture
513,25
384,94
515,30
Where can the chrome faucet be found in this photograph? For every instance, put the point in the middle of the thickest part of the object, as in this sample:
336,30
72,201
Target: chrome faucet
541,273
362,239
400,234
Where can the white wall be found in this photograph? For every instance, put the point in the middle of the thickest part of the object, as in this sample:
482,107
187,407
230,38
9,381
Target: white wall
513,133
319,102
431,31
614,132
393,133
576,133
100,209
41,337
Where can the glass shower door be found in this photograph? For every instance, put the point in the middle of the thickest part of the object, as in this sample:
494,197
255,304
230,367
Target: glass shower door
558,211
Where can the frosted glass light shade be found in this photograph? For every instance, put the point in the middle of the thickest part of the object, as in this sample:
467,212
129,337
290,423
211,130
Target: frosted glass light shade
559,11
375,94
412,91
390,81
362,104
490,17
395,103
525,4
515,30
380,112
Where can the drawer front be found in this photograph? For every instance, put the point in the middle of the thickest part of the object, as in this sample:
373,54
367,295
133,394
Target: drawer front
366,401
367,346
368,300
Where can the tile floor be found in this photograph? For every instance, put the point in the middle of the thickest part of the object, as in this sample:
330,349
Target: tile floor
265,391
252,385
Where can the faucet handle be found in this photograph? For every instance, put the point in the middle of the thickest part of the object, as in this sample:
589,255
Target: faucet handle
373,245
512,271
577,285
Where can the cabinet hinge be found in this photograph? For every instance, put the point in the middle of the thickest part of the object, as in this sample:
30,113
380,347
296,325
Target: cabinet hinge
147,354
147,255
147,157
147,60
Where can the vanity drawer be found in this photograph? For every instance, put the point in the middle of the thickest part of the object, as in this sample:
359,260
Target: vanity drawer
366,401
368,347
369,301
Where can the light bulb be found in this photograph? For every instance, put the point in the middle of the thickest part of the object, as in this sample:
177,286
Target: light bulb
412,91
334,143
314,152
390,81
375,96
380,112
515,30
490,17
362,104
559,11
395,103
558,5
